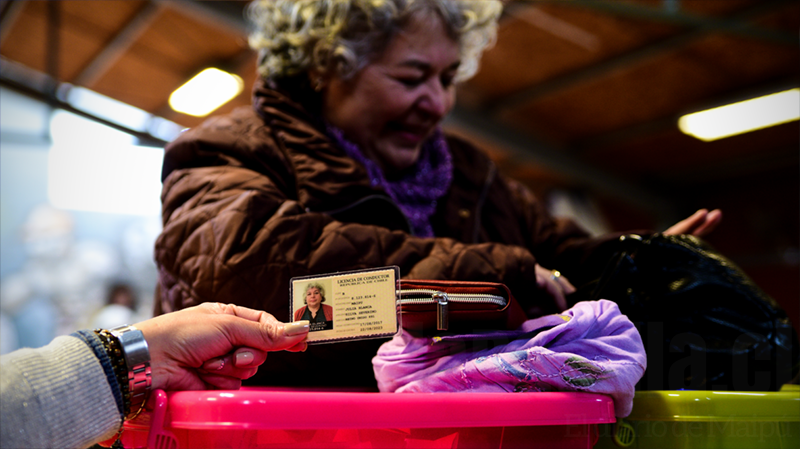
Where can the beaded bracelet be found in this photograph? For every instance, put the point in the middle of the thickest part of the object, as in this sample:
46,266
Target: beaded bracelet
111,345
130,360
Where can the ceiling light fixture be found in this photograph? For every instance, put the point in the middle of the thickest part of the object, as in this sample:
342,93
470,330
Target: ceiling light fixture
207,91
742,117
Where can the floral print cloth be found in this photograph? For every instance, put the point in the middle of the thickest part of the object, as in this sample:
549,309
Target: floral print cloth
591,347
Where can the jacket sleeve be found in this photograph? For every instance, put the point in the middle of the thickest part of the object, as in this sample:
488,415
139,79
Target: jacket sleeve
231,236
234,231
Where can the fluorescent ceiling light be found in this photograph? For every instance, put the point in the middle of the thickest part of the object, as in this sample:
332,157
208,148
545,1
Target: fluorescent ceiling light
204,93
742,117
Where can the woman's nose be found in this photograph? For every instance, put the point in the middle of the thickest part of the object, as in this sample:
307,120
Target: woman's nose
437,100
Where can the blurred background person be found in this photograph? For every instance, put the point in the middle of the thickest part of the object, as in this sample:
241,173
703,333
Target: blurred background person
122,307
61,281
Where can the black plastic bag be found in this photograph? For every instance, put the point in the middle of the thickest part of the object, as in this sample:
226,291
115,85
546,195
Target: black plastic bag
704,323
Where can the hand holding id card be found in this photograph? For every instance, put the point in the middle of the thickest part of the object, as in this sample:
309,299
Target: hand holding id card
351,305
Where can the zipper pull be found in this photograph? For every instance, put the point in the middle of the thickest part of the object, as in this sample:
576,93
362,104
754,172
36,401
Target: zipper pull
441,310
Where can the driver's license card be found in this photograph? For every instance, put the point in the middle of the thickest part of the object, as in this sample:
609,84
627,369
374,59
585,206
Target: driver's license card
351,305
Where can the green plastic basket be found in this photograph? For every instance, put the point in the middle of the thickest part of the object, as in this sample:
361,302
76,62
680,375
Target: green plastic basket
708,419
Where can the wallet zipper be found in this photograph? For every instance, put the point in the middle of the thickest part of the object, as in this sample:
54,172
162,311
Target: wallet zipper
442,301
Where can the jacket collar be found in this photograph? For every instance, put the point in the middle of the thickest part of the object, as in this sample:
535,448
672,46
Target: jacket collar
327,179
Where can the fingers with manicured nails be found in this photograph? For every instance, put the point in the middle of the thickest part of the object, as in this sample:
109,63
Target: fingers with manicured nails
242,363
296,328
215,344
217,364
244,358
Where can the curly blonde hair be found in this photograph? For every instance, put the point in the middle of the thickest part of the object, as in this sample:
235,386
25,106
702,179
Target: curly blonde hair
319,287
342,36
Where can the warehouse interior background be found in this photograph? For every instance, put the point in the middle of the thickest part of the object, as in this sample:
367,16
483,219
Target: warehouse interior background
578,99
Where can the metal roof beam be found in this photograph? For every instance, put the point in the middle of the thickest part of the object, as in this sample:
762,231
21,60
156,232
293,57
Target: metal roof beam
609,65
45,88
526,149
227,15
737,24
8,15
118,45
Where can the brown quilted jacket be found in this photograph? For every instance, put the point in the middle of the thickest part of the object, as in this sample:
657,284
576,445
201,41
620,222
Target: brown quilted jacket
259,196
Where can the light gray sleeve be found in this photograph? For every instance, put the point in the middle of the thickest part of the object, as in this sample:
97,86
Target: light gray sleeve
55,396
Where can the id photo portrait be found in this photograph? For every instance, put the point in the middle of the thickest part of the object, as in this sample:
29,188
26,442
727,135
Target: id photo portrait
318,314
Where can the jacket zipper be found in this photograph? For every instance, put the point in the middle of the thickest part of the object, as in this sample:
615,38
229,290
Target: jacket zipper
442,301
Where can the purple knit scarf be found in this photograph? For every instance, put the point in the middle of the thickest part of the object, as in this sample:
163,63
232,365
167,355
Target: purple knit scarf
416,193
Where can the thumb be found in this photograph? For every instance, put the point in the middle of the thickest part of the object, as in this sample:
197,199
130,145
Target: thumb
267,334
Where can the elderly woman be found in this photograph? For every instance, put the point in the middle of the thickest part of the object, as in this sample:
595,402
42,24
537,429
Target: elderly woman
318,314
340,164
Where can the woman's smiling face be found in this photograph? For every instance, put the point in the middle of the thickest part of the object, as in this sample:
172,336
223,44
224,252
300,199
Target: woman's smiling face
393,104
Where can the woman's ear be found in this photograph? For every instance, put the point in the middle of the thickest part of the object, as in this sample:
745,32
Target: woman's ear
317,80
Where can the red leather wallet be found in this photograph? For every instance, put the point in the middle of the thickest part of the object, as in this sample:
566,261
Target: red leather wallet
430,306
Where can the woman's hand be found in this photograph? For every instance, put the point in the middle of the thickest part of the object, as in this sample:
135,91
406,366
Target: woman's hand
556,285
215,345
699,224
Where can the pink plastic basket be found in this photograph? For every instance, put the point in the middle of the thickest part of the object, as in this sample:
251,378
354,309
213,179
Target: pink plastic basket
302,418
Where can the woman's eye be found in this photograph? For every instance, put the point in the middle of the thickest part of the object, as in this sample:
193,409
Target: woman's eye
410,82
447,81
